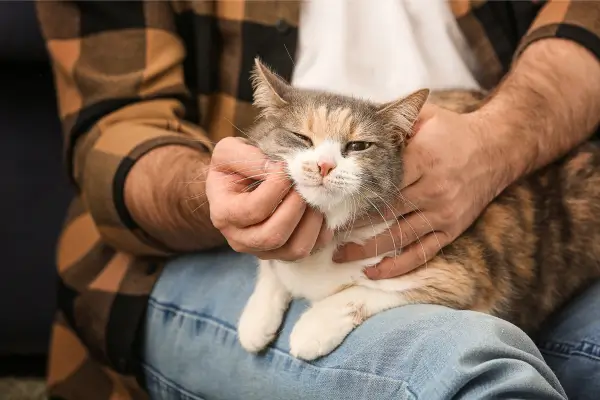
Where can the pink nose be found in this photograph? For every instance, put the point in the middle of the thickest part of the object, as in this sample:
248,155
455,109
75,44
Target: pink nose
325,167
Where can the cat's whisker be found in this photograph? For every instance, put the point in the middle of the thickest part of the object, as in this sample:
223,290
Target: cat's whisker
195,196
257,183
420,214
385,222
408,223
225,163
389,207
208,167
250,177
289,55
236,127
284,192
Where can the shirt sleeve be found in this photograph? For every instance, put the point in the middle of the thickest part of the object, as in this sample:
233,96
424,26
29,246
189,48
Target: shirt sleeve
118,71
570,20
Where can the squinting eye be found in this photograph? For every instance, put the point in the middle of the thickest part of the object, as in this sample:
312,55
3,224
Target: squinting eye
304,138
358,146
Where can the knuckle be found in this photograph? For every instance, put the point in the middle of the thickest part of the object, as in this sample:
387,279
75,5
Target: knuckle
217,218
236,246
436,191
274,241
254,215
226,142
299,252
403,235
447,215
264,241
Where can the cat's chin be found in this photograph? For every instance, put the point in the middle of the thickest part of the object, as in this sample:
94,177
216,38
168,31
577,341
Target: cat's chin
320,197
333,203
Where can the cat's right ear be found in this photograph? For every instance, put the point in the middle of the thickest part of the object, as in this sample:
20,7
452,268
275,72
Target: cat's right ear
402,114
269,88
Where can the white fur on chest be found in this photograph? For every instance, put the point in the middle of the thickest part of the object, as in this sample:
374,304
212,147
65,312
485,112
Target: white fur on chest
317,276
341,298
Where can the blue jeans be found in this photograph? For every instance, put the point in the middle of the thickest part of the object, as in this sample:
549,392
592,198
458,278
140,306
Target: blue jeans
428,352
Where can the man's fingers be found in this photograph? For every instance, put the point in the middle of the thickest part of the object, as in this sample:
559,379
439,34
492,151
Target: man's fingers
389,213
400,234
236,156
411,166
325,237
253,207
412,257
303,239
277,229
243,186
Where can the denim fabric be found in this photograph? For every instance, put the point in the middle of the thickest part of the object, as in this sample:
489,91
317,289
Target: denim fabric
425,352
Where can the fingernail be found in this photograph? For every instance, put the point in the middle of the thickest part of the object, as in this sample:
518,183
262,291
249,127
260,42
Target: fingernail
372,272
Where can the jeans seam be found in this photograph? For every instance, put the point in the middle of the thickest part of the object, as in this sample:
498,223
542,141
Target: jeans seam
163,307
566,350
163,380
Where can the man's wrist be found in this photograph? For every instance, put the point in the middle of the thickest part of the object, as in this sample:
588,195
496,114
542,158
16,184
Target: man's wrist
510,152
164,193
546,106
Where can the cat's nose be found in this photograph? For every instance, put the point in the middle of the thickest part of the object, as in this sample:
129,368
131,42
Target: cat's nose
325,167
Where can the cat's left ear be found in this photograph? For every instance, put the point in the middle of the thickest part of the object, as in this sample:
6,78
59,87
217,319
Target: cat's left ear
402,114
269,88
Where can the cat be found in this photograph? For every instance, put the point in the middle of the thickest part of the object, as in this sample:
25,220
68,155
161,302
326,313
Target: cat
532,248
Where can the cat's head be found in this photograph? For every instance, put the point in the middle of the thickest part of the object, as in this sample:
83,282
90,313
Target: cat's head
343,154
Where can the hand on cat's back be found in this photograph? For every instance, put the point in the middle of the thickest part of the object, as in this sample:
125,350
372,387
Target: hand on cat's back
252,205
452,172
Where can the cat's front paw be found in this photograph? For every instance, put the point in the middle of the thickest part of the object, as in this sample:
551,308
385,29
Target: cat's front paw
320,330
256,329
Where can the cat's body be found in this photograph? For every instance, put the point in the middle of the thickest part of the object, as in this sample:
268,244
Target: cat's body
530,251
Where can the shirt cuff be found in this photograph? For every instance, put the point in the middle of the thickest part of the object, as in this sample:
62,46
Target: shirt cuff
107,165
576,21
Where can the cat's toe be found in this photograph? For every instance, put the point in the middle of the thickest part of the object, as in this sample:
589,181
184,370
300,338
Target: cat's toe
306,348
318,333
253,342
253,337
255,332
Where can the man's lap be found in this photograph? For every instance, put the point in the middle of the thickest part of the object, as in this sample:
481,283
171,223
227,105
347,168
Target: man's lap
191,348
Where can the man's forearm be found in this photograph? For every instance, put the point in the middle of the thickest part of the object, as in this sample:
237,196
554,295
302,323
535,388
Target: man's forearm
547,105
164,192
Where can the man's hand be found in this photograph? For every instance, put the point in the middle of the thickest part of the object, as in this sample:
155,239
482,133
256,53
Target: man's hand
456,164
449,179
253,204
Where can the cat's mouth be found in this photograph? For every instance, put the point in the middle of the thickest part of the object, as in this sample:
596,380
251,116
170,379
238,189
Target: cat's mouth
320,194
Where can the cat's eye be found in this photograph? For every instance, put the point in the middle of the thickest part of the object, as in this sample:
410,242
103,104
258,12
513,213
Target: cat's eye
304,138
358,146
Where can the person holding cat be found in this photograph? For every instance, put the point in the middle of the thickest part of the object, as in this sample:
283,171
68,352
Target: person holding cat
152,93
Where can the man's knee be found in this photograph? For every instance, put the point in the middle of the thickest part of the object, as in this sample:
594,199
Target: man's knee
421,343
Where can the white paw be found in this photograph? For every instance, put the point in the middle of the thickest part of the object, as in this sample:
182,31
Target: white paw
321,329
257,326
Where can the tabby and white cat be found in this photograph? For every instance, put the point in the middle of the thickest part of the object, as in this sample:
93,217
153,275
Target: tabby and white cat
530,250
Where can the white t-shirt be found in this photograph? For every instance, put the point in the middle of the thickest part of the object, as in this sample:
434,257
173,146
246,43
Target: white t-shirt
381,49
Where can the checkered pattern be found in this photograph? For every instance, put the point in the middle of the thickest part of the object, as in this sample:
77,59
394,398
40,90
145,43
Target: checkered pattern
132,76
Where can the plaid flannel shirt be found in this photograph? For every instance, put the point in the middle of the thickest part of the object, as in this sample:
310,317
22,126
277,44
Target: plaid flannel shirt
132,76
